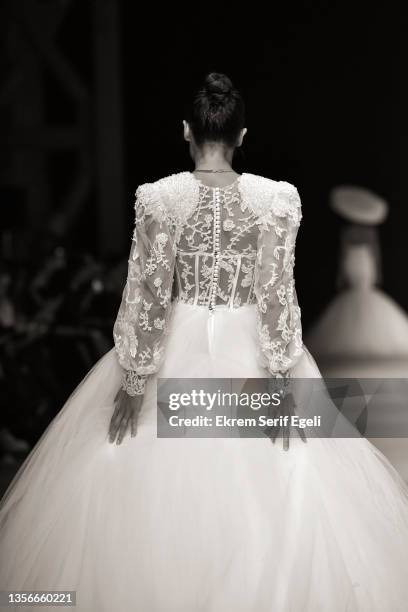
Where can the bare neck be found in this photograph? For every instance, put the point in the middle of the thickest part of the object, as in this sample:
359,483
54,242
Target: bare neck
215,158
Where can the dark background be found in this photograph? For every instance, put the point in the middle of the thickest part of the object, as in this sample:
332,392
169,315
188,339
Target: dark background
323,85
91,105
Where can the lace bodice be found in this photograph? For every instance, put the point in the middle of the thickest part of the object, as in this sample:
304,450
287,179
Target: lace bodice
216,253
215,247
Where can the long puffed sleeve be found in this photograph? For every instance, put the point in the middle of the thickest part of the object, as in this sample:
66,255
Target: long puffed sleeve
278,313
144,313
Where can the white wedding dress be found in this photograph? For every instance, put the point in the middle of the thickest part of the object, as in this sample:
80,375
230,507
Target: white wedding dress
362,327
209,524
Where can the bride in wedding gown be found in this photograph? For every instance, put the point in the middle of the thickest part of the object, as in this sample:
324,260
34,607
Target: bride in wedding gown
137,523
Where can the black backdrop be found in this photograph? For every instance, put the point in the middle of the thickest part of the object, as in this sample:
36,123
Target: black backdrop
325,93
325,105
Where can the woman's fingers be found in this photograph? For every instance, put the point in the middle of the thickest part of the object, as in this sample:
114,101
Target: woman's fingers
125,414
122,429
133,422
113,429
272,433
118,403
118,413
113,426
286,436
302,435
117,419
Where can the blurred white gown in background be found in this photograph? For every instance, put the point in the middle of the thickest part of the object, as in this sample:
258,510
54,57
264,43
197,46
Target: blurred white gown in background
205,525
363,333
361,323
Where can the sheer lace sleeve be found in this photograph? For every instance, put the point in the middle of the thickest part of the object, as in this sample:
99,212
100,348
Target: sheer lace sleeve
278,314
143,318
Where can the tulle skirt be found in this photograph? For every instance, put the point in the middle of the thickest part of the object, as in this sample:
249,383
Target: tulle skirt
209,524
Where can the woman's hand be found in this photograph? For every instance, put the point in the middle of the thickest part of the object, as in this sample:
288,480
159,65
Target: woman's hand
126,414
284,413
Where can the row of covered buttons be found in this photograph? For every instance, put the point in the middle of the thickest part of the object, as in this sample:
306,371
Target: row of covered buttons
216,248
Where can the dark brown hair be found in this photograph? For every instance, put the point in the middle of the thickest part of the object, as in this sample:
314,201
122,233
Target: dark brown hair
217,113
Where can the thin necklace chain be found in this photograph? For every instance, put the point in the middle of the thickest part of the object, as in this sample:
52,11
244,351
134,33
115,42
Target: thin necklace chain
211,170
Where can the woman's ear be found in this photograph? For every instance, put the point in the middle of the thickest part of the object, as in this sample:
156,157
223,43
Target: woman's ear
241,136
187,133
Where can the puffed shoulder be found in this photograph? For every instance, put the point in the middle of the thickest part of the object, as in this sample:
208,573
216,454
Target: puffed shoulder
173,196
148,201
265,197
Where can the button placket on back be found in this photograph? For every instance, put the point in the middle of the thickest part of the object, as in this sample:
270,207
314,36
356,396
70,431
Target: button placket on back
217,228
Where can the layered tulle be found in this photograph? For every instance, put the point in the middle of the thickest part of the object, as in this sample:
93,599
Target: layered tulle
203,525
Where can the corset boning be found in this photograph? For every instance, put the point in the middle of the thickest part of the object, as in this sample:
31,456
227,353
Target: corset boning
211,279
216,255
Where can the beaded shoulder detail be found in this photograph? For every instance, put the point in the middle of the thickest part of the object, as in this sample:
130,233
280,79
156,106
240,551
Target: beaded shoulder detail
173,197
268,198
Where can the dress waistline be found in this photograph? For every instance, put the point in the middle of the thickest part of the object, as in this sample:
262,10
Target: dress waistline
211,309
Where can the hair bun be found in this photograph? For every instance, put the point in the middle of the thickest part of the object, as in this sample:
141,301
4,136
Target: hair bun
217,112
217,83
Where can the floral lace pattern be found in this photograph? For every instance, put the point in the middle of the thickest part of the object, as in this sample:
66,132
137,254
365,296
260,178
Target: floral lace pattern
219,236
145,309
278,313
211,247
